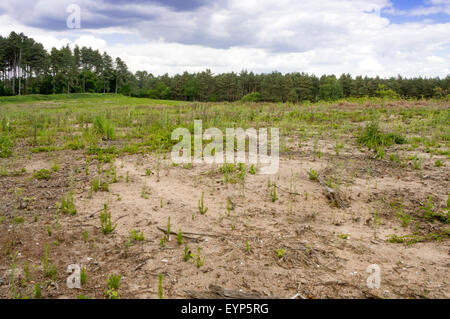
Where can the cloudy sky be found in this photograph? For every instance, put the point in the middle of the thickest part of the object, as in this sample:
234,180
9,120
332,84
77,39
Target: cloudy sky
367,37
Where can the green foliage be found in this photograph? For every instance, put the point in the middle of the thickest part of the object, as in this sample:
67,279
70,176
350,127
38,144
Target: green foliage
160,286
43,174
273,193
49,270
201,207
105,221
105,127
251,97
83,276
135,236
280,252
67,204
6,145
375,139
313,174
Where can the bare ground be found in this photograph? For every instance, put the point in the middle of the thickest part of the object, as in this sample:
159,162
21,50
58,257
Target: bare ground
327,249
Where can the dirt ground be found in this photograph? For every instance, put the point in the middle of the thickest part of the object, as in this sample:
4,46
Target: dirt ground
300,243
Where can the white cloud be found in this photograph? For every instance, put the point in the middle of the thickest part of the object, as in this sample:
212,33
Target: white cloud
261,36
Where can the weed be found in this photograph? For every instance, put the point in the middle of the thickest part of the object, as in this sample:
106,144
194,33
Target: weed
67,204
313,174
273,193
201,207
105,221
49,270
160,286
135,236
83,276
37,291
187,254
280,252
85,236
180,238
43,174
198,260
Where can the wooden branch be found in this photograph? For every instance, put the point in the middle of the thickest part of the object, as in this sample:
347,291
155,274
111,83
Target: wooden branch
331,194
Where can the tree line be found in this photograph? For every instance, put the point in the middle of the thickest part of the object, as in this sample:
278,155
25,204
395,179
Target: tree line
27,68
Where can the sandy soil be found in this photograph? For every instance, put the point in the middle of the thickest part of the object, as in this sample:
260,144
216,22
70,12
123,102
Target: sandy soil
327,249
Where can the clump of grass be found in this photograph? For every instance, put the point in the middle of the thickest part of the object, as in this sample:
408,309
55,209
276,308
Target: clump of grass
273,193
113,286
180,238
413,239
160,286
313,174
375,139
201,207
104,127
43,174
37,294
49,270
135,236
438,163
198,260
187,254
83,276
105,221
280,252
67,204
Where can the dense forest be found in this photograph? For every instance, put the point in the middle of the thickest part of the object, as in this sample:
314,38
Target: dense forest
27,68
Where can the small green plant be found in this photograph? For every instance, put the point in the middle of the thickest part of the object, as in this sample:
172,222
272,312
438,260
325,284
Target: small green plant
135,236
252,169
67,204
49,231
162,242
105,221
343,236
438,163
85,236
160,286
83,276
280,252
49,270
273,193
313,175
43,174
96,184
55,166
37,291
201,207
180,238
198,260
113,286
187,254
247,247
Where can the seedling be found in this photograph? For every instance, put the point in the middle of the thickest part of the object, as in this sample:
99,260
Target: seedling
105,221
83,276
180,238
187,254
67,204
199,261
201,207
160,286
273,193
313,175
280,253
135,236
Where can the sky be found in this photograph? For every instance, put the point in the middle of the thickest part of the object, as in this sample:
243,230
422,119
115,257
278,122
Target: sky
360,37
